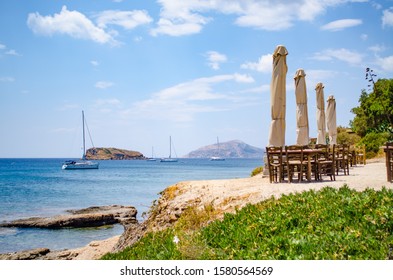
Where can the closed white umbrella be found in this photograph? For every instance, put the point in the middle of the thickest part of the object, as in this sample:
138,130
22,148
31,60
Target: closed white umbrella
302,129
278,97
321,120
331,122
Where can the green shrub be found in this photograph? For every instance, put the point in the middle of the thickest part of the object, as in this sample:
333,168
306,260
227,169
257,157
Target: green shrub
335,224
257,171
373,141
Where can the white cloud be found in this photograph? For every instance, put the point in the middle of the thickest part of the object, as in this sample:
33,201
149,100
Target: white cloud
386,63
179,26
107,105
125,19
387,17
315,76
181,102
377,48
72,23
215,59
7,79
341,24
103,84
188,17
345,55
12,52
95,63
264,64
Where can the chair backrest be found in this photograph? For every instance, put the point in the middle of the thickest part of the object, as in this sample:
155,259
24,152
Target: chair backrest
294,153
323,153
274,155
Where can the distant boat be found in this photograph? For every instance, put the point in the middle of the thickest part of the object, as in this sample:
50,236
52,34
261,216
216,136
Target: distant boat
83,164
169,159
152,156
217,158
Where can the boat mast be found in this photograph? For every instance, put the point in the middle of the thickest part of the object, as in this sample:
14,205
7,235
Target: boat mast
170,147
83,129
218,148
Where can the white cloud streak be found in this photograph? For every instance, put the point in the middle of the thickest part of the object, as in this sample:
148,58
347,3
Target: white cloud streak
103,84
215,59
179,18
95,63
264,64
125,19
386,63
181,102
7,79
341,24
342,54
77,25
72,23
387,17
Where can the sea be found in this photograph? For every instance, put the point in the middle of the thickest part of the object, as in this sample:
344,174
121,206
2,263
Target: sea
40,188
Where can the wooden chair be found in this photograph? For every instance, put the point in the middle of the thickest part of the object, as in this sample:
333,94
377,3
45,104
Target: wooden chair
295,161
313,160
326,162
342,158
360,154
389,161
275,165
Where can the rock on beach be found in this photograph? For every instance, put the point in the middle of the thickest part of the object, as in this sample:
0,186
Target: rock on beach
89,217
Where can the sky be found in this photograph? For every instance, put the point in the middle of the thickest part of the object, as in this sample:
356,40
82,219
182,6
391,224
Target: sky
194,70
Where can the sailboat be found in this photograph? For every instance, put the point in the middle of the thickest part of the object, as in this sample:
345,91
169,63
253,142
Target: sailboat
217,158
169,159
152,155
83,164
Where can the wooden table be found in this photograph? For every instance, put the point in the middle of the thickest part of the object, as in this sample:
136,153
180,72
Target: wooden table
311,154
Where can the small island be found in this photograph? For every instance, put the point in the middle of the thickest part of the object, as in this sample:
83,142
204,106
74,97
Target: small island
112,154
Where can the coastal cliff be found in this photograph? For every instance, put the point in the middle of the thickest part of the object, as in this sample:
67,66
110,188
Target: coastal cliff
112,154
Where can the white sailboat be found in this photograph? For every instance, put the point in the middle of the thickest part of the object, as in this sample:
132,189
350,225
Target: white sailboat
152,155
169,159
83,164
217,158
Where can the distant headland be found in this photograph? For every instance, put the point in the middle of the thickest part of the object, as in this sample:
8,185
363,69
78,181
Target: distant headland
230,149
112,154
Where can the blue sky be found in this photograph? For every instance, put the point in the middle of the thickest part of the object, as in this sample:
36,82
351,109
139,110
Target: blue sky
194,70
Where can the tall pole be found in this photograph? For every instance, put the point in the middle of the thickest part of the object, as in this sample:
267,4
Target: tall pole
83,129
170,146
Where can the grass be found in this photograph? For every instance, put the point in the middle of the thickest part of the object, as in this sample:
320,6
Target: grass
336,224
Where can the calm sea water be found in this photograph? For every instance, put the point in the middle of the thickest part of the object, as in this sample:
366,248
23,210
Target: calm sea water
39,187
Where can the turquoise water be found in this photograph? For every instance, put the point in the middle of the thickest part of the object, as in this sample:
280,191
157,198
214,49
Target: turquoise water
39,187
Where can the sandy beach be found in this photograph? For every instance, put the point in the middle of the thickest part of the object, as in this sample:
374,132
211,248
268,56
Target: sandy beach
228,195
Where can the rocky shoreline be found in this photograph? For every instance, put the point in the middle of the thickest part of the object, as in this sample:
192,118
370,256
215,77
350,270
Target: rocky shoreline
224,195
94,216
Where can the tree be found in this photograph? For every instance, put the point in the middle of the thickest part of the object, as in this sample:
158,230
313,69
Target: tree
346,136
375,111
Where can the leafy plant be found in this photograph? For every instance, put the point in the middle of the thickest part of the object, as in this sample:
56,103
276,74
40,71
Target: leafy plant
256,171
326,224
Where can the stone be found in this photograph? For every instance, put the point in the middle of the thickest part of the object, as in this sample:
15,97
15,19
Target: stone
89,217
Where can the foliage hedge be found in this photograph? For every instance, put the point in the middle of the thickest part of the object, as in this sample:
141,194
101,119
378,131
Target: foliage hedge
336,224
